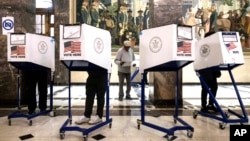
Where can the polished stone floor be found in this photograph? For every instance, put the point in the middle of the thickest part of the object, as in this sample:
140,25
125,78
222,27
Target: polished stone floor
124,122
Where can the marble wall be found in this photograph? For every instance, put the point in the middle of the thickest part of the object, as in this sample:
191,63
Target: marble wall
24,21
24,17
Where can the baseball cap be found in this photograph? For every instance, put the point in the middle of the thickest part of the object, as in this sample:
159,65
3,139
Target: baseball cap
127,43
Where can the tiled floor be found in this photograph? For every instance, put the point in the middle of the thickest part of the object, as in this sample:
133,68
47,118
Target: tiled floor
125,115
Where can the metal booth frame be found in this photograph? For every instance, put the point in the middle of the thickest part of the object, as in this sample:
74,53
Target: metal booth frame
169,66
223,116
80,65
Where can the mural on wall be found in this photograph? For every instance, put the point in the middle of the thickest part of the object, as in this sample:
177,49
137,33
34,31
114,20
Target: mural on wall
214,15
205,15
124,19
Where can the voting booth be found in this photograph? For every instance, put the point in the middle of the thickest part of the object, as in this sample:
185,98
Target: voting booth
82,45
82,48
220,51
27,51
166,48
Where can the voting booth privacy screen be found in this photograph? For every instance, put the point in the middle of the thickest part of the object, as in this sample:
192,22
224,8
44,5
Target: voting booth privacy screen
84,43
218,49
164,44
31,48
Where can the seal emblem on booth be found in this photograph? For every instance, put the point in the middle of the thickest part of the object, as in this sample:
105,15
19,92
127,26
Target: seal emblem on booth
98,45
155,44
42,47
204,50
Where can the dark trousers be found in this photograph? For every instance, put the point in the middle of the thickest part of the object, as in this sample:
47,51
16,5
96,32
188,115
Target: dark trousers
33,78
213,86
95,89
121,77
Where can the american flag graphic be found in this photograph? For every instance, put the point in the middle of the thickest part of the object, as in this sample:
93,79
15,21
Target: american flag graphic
17,50
184,47
230,46
13,50
72,47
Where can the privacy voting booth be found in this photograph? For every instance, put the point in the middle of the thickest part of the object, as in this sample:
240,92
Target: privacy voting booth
27,51
166,48
82,48
220,51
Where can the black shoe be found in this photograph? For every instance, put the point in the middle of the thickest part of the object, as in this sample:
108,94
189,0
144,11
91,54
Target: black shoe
204,110
31,112
128,97
212,108
120,98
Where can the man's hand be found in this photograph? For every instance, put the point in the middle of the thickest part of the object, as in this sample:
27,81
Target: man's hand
122,62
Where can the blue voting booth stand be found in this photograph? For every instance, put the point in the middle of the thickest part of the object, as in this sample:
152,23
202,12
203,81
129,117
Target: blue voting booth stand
81,49
172,47
28,51
220,51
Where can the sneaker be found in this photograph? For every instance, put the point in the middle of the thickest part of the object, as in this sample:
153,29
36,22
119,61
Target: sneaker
128,97
82,120
96,119
212,108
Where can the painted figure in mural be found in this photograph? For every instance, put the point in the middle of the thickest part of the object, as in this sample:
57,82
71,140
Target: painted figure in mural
122,19
244,8
190,17
94,13
203,15
139,21
109,22
146,17
85,13
130,17
247,22
213,19
247,29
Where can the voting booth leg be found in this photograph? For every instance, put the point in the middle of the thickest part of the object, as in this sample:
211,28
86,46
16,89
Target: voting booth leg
85,131
134,74
224,116
19,114
168,131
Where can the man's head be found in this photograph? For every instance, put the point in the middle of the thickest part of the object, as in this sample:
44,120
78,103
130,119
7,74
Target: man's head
140,12
127,44
129,11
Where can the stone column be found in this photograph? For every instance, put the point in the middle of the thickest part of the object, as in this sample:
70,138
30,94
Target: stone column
164,83
61,17
24,21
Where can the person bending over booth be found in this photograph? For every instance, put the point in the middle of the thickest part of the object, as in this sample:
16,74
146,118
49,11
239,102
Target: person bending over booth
210,78
32,79
95,86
